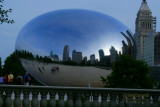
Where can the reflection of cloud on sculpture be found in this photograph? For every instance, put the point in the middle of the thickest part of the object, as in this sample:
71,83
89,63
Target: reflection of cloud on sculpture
30,48
81,29
74,37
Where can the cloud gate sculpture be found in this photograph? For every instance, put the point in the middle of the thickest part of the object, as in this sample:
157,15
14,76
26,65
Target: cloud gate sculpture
72,47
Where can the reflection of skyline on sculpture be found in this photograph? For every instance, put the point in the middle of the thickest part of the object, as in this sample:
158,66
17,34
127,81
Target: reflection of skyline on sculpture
84,31
77,42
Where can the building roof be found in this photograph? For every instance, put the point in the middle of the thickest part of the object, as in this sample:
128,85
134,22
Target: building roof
144,6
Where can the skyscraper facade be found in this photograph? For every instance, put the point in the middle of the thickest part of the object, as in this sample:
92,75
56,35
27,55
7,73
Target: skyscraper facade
113,54
152,50
157,49
92,59
73,55
77,57
85,59
54,57
101,56
149,50
145,24
66,53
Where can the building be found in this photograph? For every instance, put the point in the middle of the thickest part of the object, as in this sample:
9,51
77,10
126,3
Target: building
66,53
107,60
157,50
54,57
77,57
152,49
51,53
85,59
92,59
145,24
73,55
149,50
113,54
96,60
101,56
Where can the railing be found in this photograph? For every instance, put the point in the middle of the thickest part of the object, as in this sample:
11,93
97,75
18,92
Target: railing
18,96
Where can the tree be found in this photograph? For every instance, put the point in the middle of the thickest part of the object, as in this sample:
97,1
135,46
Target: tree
129,73
37,57
13,64
4,14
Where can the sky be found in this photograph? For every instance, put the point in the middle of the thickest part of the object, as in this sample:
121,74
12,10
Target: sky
25,10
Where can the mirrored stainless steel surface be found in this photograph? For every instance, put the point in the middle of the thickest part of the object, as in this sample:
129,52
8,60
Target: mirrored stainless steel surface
71,35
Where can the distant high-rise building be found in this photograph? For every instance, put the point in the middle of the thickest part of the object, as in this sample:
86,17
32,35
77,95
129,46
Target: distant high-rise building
53,56
145,24
107,60
51,53
66,53
77,57
113,54
96,60
101,56
69,59
85,59
73,55
149,50
157,49
92,59
152,49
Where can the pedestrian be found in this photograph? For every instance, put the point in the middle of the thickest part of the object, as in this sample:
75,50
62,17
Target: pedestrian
5,79
10,78
1,80
19,80
57,68
54,68
40,69
89,85
26,79
31,82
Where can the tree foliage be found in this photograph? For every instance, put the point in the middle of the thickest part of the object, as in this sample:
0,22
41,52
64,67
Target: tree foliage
13,64
24,54
129,73
4,14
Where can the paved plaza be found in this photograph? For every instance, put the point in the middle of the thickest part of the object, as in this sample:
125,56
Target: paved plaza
75,76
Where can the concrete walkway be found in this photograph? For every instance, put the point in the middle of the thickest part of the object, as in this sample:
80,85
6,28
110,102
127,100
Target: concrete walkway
76,76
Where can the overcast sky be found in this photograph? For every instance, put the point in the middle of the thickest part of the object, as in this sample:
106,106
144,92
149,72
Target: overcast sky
25,10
